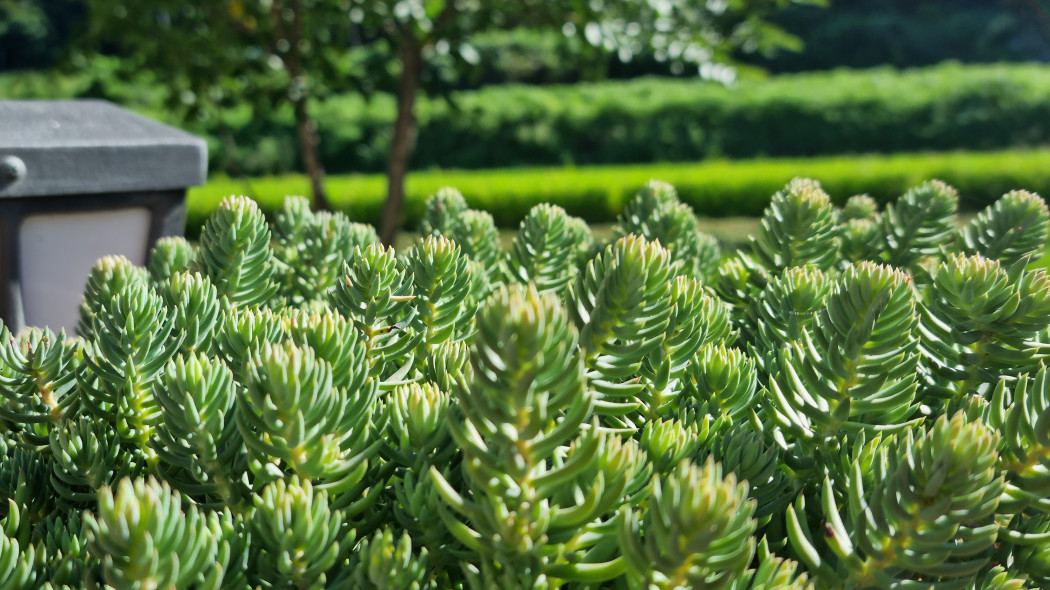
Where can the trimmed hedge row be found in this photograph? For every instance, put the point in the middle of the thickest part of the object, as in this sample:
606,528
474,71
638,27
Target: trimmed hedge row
946,107
597,194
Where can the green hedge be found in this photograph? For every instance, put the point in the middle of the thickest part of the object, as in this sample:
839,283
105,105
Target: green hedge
713,188
947,107
863,33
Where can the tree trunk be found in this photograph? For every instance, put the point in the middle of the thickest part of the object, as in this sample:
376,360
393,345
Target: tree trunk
404,138
311,158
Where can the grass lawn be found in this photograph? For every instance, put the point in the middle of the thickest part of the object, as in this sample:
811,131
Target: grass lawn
713,188
718,190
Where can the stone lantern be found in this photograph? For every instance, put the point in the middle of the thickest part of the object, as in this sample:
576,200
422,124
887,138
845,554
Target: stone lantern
79,180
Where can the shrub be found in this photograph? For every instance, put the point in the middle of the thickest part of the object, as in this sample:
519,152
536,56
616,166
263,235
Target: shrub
947,107
864,33
294,405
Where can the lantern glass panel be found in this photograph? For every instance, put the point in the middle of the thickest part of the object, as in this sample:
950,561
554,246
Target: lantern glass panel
57,251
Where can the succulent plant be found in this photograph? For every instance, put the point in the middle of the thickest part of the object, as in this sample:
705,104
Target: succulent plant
859,399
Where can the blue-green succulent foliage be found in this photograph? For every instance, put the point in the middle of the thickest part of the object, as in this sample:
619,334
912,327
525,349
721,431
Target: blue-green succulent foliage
859,399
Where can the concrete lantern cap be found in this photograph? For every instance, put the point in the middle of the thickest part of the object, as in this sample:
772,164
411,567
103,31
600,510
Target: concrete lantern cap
72,147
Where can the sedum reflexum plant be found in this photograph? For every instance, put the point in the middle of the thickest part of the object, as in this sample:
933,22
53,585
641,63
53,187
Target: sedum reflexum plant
860,399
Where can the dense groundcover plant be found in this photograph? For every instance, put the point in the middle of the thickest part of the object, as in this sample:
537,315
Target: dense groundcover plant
859,400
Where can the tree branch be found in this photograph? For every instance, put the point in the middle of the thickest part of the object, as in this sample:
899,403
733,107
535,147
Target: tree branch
447,13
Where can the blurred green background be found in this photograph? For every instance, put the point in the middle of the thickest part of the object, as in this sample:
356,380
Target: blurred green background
868,96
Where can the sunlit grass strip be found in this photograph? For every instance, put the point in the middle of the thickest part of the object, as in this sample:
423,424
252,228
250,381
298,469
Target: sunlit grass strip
713,188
